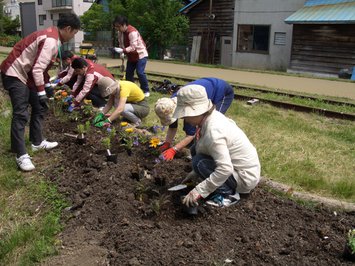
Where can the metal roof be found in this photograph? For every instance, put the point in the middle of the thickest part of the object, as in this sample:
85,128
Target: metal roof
187,8
326,2
339,13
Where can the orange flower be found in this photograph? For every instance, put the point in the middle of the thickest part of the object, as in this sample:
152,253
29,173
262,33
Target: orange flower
64,94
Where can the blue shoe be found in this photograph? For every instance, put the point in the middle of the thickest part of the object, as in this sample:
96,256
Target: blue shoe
216,200
219,201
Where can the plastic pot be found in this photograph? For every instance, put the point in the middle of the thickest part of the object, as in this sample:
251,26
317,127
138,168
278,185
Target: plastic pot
347,254
80,139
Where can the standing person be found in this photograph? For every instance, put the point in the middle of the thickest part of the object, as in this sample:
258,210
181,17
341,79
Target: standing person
127,99
222,155
88,74
218,91
24,75
131,43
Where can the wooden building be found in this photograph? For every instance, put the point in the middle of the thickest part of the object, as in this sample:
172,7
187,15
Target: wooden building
323,37
211,27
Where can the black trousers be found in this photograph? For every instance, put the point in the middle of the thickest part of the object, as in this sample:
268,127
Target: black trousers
21,98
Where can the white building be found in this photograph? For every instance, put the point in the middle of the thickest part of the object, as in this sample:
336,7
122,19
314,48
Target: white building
12,7
48,12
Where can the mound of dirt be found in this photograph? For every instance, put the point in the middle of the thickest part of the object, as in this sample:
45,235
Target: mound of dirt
123,214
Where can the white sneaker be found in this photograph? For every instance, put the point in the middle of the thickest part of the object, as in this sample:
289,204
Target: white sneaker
147,94
24,163
45,145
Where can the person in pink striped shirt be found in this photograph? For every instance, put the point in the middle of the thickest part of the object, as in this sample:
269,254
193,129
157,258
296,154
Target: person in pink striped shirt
132,44
24,75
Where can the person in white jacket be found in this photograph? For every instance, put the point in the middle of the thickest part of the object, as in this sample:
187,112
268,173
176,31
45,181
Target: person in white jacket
222,154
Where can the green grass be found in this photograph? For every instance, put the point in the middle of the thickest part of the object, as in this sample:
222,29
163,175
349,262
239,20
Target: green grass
30,207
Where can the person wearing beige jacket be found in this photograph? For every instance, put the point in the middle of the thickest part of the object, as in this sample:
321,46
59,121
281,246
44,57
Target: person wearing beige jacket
222,154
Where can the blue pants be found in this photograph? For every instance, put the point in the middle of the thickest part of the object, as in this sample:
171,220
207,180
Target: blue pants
227,100
204,166
21,97
140,69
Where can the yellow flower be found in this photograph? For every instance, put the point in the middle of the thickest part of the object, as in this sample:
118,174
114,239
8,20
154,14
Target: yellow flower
154,142
123,124
129,130
87,101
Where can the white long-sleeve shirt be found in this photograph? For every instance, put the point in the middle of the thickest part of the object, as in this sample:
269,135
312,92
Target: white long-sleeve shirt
232,152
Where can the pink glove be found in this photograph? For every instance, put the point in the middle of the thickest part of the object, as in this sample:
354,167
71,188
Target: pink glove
191,199
166,145
169,154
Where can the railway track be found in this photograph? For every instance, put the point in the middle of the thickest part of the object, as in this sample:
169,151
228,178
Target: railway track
244,92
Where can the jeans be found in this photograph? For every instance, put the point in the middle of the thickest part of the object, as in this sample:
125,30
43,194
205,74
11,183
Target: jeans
204,166
139,66
21,97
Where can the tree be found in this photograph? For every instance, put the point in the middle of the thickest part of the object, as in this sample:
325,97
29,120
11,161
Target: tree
11,26
96,19
159,22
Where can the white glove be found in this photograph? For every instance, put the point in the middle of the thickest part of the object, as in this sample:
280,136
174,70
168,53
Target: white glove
118,50
191,199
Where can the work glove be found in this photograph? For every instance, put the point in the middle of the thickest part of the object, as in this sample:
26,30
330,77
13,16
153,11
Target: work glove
118,50
49,90
190,200
169,154
166,145
98,118
74,105
44,101
68,99
104,123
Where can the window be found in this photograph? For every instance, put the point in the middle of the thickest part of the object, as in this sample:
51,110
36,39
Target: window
253,38
280,38
39,2
59,3
41,19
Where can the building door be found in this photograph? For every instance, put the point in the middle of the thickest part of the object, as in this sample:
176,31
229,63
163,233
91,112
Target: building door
226,51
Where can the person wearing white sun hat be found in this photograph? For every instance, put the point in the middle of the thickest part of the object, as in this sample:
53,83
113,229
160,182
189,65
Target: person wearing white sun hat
222,154
218,91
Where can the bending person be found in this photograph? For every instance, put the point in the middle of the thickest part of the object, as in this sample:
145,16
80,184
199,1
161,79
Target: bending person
127,99
218,91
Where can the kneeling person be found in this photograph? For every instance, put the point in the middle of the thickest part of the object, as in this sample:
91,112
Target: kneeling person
127,99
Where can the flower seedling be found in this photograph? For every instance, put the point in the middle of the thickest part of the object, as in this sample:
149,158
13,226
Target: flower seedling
127,139
81,137
351,240
106,142
349,250
87,109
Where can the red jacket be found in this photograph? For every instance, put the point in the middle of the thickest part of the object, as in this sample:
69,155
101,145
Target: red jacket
132,43
85,83
32,57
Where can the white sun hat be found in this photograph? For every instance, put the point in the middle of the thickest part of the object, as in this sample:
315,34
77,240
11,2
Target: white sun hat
192,100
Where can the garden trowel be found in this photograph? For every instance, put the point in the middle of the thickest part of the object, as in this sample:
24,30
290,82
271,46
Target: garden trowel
177,187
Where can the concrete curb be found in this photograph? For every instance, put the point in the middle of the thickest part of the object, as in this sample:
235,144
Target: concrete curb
330,203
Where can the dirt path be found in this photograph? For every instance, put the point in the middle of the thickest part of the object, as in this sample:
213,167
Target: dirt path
283,82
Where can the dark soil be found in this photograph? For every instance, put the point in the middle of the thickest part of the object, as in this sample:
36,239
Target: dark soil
134,220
